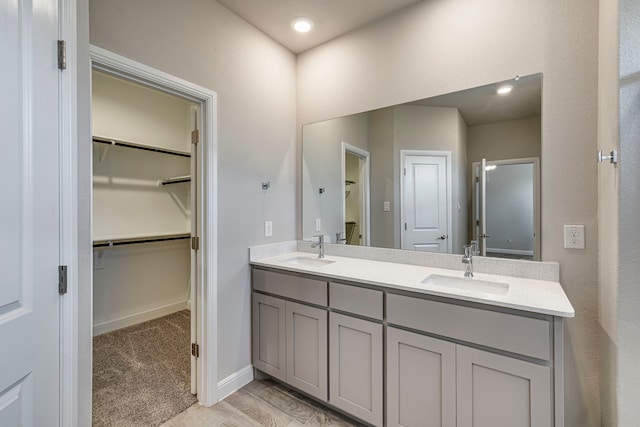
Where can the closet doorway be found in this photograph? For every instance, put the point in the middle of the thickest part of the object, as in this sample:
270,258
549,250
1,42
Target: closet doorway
153,244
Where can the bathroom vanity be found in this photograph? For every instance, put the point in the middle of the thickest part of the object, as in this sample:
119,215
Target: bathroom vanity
395,344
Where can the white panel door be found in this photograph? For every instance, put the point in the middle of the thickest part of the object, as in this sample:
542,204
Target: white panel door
29,216
425,202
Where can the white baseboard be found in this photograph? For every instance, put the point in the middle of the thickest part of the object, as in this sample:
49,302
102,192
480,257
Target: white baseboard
135,318
235,382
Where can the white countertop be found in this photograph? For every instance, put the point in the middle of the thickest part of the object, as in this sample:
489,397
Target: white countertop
538,296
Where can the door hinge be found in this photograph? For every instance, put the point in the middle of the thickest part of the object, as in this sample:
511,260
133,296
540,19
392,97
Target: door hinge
195,243
62,279
405,226
62,54
405,171
478,222
477,179
195,350
195,136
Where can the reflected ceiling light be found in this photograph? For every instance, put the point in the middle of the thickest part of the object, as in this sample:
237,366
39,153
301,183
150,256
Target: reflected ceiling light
490,167
503,90
302,24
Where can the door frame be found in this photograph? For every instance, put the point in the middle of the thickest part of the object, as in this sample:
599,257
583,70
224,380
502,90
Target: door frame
430,153
206,258
537,255
366,197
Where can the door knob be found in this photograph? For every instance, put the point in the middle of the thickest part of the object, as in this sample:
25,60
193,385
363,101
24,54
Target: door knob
443,237
484,236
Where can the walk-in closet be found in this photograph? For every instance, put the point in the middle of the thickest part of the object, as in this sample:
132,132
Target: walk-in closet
144,255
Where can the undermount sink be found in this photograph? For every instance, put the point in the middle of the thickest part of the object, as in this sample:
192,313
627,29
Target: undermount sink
467,284
309,262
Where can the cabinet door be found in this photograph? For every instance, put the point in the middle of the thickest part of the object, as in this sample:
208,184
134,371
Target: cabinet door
499,391
355,378
269,335
421,380
307,349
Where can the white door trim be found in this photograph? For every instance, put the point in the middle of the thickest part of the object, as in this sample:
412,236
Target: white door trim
447,156
207,256
365,156
68,149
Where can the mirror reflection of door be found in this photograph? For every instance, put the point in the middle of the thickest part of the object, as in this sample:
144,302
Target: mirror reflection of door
506,205
426,213
356,189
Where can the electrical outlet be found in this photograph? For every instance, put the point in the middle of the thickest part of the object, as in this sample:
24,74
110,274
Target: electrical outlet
318,224
574,236
386,207
268,229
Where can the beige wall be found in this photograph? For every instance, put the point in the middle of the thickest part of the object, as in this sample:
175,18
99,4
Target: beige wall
202,42
440,46
512,139
382,181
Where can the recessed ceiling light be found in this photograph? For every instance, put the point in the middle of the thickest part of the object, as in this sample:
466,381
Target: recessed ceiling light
503,90
302,24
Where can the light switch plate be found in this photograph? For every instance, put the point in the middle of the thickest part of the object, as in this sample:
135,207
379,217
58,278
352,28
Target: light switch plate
318,224
268,229
386,207
574,236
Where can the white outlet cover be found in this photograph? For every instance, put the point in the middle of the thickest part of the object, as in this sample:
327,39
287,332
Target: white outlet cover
318,224
574,236
268,229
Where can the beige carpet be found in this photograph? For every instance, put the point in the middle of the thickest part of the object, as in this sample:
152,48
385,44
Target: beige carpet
141,374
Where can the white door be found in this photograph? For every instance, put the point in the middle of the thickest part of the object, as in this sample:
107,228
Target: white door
29,216
426,211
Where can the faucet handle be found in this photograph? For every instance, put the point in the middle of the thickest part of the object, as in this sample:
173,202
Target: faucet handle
320,238
468,251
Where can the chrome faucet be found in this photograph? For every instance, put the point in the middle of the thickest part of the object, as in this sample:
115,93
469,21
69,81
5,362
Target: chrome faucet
467,260
320,244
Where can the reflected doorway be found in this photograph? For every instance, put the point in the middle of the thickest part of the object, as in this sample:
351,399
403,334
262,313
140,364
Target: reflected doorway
506,208
355,171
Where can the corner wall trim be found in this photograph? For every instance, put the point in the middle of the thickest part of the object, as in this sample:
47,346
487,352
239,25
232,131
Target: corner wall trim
135,318
235,382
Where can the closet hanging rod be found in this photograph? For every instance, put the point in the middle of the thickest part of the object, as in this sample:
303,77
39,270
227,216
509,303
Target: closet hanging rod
177,180
136,240
119,143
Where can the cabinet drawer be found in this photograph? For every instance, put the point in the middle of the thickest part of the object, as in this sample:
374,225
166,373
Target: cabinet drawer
508,332
352,299
294,287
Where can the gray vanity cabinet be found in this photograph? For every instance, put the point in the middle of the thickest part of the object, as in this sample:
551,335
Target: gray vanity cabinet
290,338
355,360
306,344
421,380
269,351
499,391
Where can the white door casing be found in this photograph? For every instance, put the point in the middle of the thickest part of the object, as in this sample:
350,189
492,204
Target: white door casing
426,215
30,214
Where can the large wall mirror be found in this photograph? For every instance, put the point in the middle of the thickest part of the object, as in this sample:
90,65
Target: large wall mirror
431,175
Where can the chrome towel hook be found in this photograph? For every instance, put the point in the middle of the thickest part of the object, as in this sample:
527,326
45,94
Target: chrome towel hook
612,157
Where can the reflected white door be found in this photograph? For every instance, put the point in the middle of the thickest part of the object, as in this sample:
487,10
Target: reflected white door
29,217
426,214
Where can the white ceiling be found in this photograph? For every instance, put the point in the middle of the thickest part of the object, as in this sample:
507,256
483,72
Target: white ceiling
482,105
332,18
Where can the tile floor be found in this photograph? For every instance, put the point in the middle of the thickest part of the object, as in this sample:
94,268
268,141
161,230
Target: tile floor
262,403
